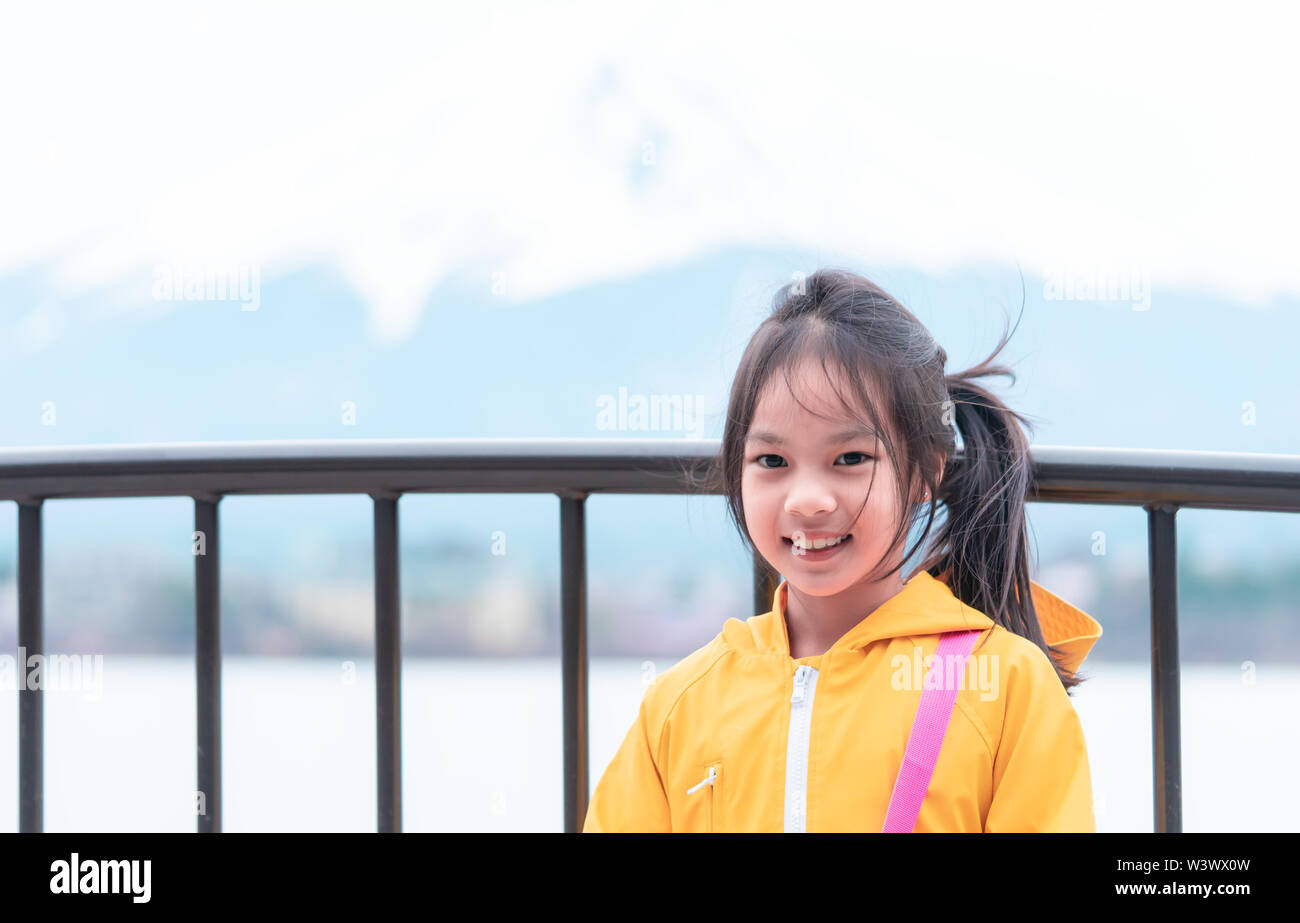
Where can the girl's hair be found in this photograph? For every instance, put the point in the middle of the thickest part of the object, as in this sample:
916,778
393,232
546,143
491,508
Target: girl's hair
841,318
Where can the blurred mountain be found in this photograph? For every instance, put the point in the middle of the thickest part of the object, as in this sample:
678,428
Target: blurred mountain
1187,372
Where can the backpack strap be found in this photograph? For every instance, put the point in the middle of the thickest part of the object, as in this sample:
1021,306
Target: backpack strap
928,730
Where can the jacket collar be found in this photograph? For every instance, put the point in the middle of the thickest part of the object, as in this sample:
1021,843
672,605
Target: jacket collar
927,606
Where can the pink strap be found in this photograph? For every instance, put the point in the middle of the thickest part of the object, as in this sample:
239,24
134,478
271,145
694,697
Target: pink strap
928,730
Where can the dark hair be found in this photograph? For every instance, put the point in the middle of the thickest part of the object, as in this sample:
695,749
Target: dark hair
981,546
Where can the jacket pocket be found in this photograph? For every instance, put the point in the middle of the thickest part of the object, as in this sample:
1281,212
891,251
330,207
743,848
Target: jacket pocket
707,809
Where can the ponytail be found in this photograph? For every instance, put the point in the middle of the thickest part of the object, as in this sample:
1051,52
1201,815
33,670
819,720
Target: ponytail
984,543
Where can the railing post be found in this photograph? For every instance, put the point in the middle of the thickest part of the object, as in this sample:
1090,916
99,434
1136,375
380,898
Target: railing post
207,660
388,663
1166,737
573,655
31,640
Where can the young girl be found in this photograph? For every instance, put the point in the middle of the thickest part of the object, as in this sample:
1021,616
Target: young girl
832,712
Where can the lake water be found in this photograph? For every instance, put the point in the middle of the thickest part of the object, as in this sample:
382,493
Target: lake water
482,745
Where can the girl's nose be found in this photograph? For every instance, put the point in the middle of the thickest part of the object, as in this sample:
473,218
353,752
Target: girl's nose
809,501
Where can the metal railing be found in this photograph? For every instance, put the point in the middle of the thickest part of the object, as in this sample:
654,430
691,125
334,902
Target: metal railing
1159,481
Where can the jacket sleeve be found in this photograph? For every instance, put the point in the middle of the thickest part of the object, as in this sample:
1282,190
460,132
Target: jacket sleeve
1041,778
630,796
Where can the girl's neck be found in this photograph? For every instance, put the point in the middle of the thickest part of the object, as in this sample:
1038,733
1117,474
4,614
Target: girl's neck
814,623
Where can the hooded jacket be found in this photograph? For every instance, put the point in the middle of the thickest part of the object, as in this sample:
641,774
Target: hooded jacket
741,737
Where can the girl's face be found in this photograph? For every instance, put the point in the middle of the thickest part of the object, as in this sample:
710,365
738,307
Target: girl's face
806,477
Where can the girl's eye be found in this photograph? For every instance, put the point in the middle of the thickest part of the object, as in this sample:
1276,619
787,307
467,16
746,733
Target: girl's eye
862,455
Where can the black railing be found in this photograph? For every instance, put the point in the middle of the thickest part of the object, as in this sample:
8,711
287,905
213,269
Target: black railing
1158,481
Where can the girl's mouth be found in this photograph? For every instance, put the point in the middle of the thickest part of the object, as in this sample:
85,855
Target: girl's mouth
817,554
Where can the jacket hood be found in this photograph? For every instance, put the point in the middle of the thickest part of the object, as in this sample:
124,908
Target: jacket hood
925,606
1066,627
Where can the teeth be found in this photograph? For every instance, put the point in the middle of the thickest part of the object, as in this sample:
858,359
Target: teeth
816,544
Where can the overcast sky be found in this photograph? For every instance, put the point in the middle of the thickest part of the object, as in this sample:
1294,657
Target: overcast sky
545,147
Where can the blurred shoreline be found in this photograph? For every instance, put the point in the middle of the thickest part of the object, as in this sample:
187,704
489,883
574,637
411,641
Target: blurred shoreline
1225,616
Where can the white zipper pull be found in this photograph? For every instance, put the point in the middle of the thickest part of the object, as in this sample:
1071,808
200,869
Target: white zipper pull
707,780
800,682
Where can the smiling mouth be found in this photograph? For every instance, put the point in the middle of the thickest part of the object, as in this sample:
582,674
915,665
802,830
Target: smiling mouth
802,549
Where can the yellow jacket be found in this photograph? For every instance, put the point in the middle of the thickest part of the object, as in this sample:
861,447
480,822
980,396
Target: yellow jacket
719,745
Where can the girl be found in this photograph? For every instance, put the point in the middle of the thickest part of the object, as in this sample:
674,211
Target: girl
827,712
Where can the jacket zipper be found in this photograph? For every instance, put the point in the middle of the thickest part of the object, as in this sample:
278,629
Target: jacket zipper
708,819
796,754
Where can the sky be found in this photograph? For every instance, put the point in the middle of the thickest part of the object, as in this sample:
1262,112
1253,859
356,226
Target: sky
543,149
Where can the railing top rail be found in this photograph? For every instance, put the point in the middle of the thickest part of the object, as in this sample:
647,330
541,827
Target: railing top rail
1073,474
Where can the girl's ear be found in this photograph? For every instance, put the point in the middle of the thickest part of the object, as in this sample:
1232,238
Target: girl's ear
924,496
